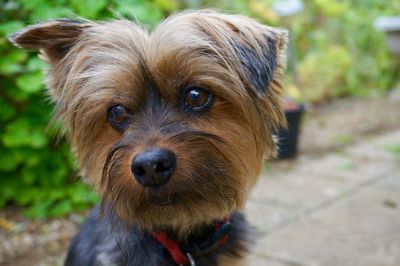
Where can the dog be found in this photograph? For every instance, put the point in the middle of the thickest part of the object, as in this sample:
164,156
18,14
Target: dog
170,128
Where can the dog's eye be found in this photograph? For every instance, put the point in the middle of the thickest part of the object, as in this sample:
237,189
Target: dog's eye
118,117
197,99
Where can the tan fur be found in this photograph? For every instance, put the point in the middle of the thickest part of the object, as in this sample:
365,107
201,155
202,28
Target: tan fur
109,62
229,261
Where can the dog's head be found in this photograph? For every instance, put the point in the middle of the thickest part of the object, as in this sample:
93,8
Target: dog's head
170,127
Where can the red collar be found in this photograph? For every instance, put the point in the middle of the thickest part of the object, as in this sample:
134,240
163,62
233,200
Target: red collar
183,254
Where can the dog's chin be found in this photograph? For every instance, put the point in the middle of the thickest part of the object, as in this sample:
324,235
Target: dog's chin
164,199
174,212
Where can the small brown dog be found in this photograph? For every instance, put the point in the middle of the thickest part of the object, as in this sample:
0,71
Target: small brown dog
170,128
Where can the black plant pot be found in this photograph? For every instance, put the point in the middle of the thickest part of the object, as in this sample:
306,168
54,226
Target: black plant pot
288,138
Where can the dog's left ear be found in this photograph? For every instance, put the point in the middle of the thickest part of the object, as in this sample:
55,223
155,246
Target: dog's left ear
54,38
261,64
259,54
260,50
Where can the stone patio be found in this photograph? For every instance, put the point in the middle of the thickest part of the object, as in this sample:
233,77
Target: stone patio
342,208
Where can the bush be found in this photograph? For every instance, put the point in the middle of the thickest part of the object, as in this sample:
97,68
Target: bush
340,53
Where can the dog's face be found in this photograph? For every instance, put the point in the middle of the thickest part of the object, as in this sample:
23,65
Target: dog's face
170,127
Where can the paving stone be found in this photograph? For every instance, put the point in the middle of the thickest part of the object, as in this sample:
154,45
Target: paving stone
352,170
257,260
265,217
350,206
359,230
391,182
296,192
377,148
371,158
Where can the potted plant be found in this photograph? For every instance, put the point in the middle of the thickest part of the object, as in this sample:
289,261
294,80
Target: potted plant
288,137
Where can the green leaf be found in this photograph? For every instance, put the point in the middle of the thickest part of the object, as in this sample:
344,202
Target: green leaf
10,62
144,13
57,194
19,95
8,161
60,209
20,133
26,195
29,156
45,12
89,8
39,209
167,5
10,27
33,4
36,64
8,188
38,139
30,83
7,111
59,174
29,175
78,194
16,133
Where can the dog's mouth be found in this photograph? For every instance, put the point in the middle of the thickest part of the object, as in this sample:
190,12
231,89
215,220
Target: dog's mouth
164,199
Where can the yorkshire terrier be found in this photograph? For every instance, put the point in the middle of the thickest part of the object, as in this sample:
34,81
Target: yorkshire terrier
171,129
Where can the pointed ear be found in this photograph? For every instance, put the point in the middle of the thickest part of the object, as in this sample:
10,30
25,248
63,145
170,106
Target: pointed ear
54,38
261,54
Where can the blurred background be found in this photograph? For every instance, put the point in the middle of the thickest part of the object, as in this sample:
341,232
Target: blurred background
341,71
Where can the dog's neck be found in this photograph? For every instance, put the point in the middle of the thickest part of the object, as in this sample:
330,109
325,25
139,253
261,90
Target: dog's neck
197,233
201,242
132,242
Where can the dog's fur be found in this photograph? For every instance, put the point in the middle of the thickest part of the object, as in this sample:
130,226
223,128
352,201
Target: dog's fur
219,151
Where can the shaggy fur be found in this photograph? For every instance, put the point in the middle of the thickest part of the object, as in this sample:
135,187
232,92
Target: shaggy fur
219,151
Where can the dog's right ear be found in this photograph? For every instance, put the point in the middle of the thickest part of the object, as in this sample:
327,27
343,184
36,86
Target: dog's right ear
54,38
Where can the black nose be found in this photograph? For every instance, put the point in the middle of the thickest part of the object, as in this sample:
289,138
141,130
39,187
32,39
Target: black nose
154,167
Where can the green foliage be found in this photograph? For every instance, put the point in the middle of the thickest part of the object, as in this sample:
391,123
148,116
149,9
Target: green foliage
320,71
339,53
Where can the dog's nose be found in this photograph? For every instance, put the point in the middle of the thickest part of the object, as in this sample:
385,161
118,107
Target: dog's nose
154,167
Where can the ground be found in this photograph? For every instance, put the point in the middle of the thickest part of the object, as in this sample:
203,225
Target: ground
337,204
